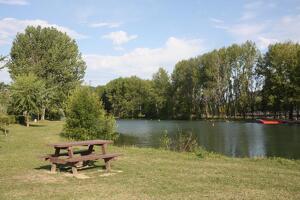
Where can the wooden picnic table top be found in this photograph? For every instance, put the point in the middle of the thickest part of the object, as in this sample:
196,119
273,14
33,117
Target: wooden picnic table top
80,143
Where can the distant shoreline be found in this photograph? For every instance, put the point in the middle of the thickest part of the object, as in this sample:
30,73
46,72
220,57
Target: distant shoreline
217,120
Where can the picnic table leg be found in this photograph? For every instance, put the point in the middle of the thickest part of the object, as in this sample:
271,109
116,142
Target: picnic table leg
54,165
74,170
89,151
91,147
104,146
107,165
70,152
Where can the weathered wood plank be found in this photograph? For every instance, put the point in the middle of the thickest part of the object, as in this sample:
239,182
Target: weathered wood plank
81,143
81,152
92,157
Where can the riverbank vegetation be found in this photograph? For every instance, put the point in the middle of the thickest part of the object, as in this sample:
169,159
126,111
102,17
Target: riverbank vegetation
141,173
237,82
232,82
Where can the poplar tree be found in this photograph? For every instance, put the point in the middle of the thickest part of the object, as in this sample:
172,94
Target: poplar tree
52,56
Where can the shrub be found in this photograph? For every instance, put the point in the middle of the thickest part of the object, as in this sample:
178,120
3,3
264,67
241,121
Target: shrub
182,142
165,141
5,120
185,142
86,118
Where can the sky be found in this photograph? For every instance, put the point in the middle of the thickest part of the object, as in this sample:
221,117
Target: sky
120,38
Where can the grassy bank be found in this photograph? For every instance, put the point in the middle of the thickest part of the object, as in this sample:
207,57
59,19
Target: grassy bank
140,173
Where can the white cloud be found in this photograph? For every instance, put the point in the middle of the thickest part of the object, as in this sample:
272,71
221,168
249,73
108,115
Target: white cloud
9,27
264,42
246,30
252,26
268,32
105,24
247,15
253,4
215,20
119,37
14,2
288,28
142,62
254,9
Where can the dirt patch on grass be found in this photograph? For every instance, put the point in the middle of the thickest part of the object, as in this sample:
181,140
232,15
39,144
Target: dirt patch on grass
40,177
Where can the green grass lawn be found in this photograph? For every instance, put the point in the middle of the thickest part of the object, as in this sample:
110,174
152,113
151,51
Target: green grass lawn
141,173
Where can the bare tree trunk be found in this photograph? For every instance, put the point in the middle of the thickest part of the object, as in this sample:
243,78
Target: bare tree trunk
291,117
27,120
43,114
206,111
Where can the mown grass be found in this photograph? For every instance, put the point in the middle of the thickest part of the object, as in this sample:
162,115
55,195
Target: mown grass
141,173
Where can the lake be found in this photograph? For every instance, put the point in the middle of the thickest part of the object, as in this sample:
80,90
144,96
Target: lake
236,139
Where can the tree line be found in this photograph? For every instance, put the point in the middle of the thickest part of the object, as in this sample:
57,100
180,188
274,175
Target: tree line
231,82
237,81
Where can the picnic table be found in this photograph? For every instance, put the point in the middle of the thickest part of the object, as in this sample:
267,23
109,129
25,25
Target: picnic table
80,157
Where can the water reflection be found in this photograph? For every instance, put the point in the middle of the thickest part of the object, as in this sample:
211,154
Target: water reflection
235,139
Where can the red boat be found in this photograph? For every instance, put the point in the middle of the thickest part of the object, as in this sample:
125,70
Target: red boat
268,121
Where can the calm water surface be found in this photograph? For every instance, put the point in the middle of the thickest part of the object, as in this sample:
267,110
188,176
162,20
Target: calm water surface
237,139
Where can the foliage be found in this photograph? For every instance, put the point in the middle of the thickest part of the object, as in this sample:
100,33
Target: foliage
27,93
185,89
2,62
161,85
182,142
86,118
281,72
236,82
52,56
128,97
201,152
165,141
185,142
4,98
5,121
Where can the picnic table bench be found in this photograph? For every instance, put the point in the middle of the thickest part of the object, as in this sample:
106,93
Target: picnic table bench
79,157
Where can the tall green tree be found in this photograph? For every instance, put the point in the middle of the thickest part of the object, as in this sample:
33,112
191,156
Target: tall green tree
281,72
161,87
129,97
186,89
214,81
243,74
26,93
52,56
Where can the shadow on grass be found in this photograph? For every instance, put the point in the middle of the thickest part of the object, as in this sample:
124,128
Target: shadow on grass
37,125
67,168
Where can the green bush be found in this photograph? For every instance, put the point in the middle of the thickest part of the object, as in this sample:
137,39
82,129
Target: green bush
165,141
182,142
5,120
86,118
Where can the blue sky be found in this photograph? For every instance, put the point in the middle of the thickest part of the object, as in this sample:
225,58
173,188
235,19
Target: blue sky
124,38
